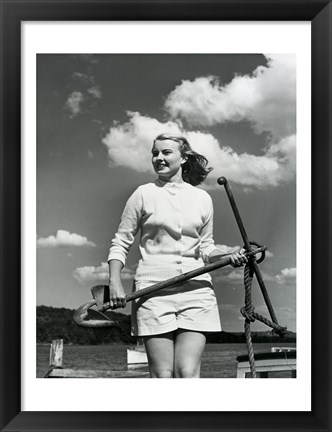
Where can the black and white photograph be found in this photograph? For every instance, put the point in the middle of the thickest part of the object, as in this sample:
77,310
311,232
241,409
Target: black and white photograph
166,215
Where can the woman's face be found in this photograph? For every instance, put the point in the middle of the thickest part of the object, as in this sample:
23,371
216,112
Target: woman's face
167,159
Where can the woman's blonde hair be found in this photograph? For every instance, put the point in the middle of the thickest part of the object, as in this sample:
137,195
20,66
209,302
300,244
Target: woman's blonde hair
194,170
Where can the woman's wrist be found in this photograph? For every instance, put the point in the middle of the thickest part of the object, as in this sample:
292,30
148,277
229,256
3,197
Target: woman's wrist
115,279
215,255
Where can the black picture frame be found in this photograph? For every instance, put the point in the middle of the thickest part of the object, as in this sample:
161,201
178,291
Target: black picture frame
13,12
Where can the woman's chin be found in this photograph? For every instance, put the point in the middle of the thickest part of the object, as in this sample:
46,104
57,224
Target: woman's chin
161,171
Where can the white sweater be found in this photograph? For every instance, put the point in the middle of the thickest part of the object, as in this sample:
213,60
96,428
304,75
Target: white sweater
176,225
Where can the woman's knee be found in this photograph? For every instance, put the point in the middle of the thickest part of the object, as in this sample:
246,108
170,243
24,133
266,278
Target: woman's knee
161,373
187,371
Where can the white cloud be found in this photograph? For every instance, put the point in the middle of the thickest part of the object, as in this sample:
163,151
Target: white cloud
74,103
94,275
129,145
235,275
84,96
91,274
95,92
88,85
63,238
266,98
287,276
81,76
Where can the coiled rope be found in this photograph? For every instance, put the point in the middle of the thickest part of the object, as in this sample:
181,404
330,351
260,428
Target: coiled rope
248,312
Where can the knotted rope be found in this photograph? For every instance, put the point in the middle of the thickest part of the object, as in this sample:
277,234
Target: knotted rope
248,312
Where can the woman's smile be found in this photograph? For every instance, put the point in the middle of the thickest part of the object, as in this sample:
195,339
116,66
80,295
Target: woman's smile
167,158
160,165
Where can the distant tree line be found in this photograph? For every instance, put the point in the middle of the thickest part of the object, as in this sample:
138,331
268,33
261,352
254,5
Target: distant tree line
57,323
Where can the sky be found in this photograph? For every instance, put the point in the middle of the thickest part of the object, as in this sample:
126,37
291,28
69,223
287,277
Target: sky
97,116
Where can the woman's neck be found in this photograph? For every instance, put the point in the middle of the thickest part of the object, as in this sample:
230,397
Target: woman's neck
177,178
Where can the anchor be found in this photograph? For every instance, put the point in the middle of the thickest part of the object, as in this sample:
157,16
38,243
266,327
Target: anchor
94,313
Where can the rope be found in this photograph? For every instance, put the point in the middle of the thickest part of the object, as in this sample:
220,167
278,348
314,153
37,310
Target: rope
248,312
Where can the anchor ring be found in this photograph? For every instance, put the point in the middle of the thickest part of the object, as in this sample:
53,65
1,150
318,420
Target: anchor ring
262,257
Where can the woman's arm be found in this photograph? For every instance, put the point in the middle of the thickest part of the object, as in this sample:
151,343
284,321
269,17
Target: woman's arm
128,228
117,294
120,246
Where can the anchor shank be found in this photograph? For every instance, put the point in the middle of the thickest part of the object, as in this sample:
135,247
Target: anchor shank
223,181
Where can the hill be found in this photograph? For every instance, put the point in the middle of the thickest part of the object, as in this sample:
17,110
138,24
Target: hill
57,323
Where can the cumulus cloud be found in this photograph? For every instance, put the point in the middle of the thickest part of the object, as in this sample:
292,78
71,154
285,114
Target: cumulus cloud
94,275
267,98
91,274
277,165
95,92
64,238
84,96
74,103
235,275
129,144
83,77
287,276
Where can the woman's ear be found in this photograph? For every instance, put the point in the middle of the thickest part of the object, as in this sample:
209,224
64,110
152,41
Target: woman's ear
184,160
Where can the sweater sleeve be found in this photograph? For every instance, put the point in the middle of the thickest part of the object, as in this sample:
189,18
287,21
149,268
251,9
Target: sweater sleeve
207,242
128,228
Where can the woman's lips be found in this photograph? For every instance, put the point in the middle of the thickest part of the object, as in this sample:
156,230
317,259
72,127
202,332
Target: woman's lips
159,166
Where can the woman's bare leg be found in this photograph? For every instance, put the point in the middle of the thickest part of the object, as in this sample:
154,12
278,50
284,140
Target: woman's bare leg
160,351
189,348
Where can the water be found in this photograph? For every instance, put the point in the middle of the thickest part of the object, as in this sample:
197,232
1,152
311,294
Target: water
219,360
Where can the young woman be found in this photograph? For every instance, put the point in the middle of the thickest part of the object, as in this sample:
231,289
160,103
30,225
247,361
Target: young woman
175,220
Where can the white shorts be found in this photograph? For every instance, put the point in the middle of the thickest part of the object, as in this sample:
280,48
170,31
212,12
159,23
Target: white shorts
191,306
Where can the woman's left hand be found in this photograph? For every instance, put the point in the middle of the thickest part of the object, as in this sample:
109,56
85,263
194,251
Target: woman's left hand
238,258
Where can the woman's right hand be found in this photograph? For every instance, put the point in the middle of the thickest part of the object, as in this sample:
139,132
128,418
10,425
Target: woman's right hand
117,295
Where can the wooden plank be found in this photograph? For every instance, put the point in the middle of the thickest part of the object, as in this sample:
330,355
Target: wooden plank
81,373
